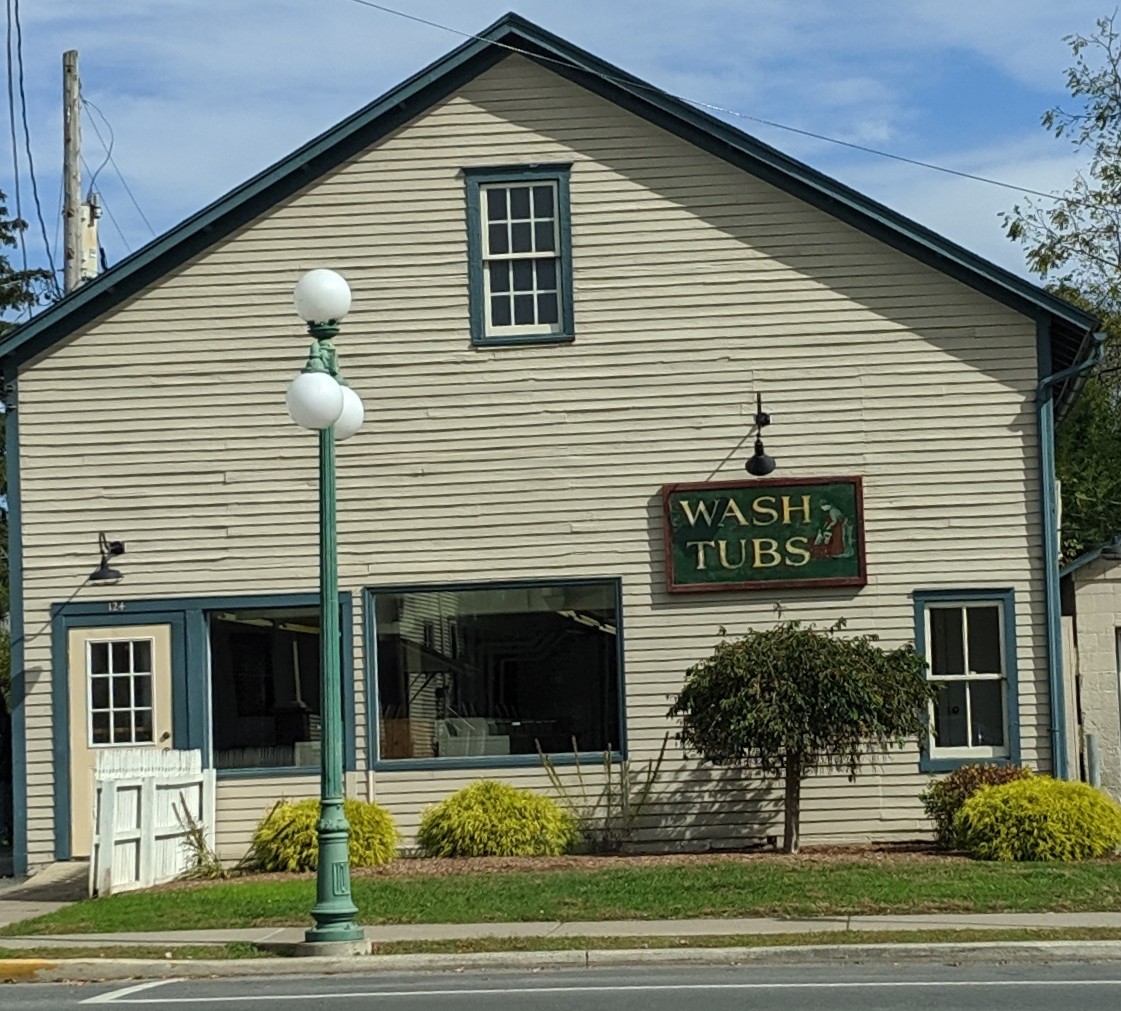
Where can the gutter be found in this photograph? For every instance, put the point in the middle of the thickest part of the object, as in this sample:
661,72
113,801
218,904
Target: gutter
1045,425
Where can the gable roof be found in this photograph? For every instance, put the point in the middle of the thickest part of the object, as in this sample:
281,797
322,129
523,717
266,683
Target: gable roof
1070,328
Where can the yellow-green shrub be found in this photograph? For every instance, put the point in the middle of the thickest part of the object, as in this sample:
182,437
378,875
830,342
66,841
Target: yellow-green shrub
491,819
943,798
1039,818
286,841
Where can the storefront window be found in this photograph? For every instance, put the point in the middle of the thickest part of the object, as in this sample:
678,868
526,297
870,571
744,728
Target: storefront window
264,684
498,671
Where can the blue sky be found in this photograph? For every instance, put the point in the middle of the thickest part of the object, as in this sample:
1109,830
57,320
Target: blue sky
202,94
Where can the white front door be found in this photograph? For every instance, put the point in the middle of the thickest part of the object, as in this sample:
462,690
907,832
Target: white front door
120,697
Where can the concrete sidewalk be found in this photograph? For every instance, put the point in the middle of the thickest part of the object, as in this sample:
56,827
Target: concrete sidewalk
604,928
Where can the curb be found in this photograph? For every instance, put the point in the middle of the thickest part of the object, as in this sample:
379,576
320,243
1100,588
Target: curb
107,970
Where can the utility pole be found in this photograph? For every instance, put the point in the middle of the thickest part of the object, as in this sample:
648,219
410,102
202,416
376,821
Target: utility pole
72,172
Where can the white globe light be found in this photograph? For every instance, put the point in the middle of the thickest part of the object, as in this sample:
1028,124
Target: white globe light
321,295
351,418
315,400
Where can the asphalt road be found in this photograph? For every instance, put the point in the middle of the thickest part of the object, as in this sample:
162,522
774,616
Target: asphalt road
836,987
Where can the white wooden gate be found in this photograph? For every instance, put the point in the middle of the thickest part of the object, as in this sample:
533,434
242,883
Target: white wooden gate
145,801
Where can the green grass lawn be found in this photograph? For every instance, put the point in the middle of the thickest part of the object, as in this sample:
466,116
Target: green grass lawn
664,891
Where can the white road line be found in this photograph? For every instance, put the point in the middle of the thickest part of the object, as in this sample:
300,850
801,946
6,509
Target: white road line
113,996
637,988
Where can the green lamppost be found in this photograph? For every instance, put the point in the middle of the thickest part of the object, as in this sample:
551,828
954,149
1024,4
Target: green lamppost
320,400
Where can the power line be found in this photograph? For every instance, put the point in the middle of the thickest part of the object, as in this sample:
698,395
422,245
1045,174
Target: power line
709,106
30,156
112,161
15,146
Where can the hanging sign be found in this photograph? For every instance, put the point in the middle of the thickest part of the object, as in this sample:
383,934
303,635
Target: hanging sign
764,534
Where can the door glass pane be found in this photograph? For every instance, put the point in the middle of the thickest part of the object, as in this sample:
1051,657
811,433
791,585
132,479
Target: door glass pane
987,713
984,640
947,654
143,718
122,727
99,730
142,656
122,692
99,658
950,727
99,693
120,657
142,691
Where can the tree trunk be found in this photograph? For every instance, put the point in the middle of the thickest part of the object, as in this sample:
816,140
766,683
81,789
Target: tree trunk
792,805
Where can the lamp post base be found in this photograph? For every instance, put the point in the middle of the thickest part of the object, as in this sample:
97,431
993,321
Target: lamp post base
334,910
331,949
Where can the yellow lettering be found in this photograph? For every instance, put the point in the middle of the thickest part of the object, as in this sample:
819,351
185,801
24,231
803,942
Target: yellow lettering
702,511
798,546
734,509
722,550
763,512
702,558
788,509
771,551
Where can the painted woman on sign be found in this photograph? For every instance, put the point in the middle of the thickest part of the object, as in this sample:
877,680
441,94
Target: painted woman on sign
834,537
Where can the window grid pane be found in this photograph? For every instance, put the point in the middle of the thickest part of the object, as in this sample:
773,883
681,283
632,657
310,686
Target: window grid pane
119,679
521,286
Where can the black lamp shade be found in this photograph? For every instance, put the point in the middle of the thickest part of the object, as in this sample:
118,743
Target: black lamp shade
759,464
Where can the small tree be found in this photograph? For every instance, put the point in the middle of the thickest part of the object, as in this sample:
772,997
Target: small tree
793,699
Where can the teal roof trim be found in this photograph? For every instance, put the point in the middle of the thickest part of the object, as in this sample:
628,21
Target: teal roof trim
1110,550
1071,326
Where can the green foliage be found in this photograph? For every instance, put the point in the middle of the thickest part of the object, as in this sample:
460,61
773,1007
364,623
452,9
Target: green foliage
6,668
19,289
606,818
286,841
1039,818
944,797
1074,240
491,819
792,699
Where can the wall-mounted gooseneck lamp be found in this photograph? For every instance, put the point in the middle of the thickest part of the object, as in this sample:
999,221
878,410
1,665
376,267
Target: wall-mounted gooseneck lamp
759,464
109,549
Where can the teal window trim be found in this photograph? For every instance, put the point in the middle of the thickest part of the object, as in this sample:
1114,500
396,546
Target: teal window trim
1006,598
476,179
373,699
190,678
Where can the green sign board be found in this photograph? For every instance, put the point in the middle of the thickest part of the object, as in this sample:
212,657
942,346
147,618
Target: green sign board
769,534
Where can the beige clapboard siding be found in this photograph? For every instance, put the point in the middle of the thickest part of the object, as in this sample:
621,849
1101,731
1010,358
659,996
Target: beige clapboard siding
694,285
